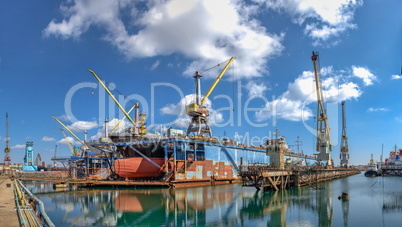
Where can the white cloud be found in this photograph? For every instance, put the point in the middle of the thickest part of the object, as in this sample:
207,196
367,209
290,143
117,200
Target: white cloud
255,90
70,140
18,146
155,65
206,31
283,108
183,120
396,77
82,125
48,139
364,74
322,20
293,103
371,109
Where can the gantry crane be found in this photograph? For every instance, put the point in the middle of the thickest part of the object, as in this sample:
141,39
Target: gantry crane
197,111
344,155
7,159
324,145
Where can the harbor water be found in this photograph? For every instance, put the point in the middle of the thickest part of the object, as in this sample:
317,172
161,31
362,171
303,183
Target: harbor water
371,202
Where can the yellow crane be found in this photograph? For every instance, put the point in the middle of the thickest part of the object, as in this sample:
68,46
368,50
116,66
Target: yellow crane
324,144
197,111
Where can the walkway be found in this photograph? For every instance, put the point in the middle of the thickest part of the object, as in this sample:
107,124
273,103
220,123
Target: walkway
8,215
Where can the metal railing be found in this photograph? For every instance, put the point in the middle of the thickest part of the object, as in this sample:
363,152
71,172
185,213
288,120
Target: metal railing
30,209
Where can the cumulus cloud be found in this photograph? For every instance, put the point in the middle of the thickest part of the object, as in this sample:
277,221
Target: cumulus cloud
206,31
255,89
371,109
293,103
69,140
322,20
396,77
18,146
364,74
82,125
48,139
182,119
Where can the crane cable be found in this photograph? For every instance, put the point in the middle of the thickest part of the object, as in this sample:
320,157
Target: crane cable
206,70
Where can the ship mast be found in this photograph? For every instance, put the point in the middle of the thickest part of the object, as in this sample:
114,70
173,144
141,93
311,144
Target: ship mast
324,145
344,155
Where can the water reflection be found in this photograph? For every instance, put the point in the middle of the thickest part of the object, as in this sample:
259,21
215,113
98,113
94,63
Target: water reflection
225,205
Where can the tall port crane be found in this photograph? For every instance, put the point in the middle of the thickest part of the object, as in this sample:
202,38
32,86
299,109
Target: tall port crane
324,145
7,159
197,111
344,155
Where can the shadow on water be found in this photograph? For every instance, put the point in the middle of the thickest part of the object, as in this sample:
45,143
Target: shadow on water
227,205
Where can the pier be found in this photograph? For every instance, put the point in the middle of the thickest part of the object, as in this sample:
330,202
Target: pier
268,178
8,214
19,207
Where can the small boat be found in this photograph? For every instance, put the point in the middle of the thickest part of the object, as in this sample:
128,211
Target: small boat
372,173
343,196
372,170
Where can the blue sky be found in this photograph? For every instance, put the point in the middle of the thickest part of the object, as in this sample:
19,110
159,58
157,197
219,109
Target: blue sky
149,51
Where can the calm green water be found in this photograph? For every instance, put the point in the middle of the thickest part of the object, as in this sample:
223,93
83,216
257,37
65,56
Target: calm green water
372,202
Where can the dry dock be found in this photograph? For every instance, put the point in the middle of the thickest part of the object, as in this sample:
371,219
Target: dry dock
8,214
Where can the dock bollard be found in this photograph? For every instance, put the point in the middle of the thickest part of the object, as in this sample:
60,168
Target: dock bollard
8,185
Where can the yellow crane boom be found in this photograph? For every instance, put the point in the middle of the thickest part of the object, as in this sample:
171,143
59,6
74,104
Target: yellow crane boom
72,133
112,96
212,87
121,120
70,146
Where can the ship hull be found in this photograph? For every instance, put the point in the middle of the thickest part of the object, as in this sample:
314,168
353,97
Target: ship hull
138,167
189,160
371,173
